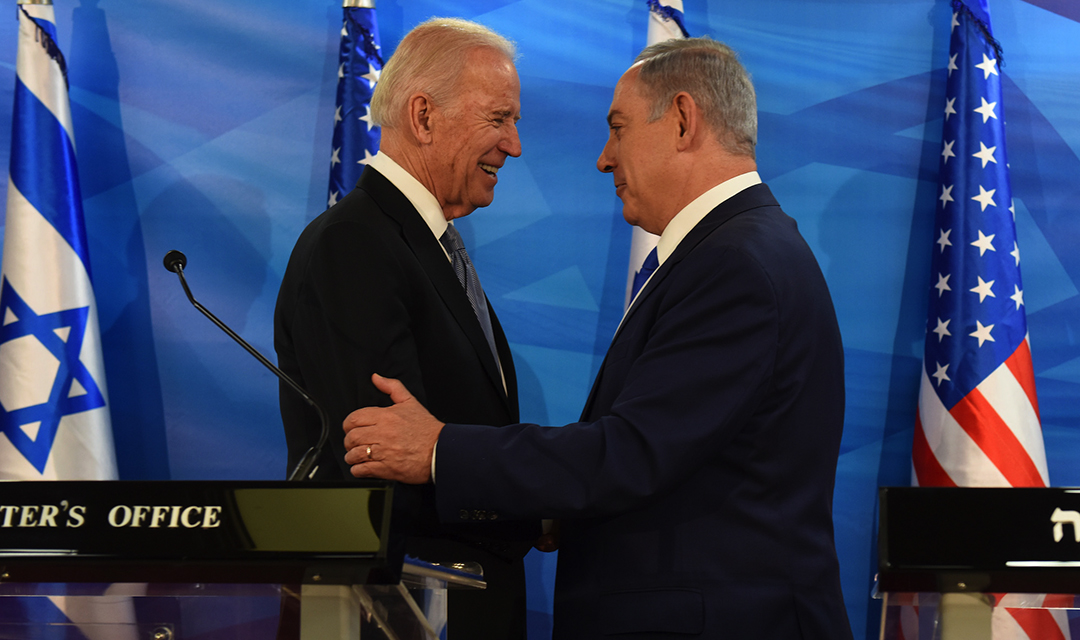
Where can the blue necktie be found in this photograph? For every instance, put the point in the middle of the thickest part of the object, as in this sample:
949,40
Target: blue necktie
647,267
466,275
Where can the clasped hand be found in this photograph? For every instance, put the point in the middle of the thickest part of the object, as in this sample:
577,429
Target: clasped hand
395,442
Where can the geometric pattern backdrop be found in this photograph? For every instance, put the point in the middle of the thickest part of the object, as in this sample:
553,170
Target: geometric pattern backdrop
206,127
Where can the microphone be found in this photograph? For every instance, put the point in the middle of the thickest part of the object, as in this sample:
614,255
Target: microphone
175,261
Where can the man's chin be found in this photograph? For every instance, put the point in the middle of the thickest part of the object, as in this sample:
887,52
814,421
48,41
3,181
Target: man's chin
484,200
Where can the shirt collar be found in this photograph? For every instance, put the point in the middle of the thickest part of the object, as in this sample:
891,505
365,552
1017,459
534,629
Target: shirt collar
416,193
692,213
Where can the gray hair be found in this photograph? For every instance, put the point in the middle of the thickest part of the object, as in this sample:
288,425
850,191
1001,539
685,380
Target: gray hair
429,60
711,73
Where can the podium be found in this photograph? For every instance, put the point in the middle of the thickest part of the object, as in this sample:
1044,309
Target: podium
957,553
169,560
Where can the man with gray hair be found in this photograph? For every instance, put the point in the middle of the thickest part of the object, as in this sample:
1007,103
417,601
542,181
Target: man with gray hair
381,282
695,494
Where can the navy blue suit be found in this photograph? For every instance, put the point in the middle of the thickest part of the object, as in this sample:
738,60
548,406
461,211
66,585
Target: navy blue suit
695,494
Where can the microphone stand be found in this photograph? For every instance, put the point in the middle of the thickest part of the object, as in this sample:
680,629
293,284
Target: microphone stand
175,261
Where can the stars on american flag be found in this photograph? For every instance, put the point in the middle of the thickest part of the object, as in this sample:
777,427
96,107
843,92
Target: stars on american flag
942,329
372,76
982,334
943,284
356,136
988,65
971,309
943,239
986,110
367,117
985,153
946,194
985,198
947,152
984,289
984,243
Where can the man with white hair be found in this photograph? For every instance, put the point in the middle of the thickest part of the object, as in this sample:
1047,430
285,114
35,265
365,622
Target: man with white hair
695,494
381,282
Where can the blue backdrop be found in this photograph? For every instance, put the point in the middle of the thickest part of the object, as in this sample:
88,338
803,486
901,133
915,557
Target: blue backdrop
206,127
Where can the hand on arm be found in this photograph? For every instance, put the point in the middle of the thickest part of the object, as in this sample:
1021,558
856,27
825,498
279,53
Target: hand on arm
395,442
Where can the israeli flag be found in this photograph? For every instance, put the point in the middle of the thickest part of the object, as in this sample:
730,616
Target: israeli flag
54,411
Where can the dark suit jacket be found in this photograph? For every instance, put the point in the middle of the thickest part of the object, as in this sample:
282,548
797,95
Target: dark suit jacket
368,289
696,492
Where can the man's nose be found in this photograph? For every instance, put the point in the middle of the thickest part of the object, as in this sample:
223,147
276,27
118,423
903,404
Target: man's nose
511,144
606,162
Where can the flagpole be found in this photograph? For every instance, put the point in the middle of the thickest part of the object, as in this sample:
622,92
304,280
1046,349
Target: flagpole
358,4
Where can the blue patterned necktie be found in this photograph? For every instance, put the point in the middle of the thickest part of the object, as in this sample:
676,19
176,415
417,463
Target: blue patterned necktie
647,267
466,275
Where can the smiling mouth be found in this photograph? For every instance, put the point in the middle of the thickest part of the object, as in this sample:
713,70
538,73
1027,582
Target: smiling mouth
489,169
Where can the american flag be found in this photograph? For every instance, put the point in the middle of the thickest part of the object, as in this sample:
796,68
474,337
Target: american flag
356,137
665,23
978,419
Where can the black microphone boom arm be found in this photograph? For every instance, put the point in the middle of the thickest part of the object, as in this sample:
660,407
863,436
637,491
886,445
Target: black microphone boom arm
175,261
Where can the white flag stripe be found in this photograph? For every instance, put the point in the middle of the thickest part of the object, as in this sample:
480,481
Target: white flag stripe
660,29
957,453
30,242
1004,627
35,71
1029,601
1022,600
909,622
1007,397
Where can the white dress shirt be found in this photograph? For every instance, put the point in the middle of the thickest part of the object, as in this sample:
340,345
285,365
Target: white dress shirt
691,214
416,193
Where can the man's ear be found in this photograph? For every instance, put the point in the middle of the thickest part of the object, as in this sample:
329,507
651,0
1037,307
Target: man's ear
419,111
687,119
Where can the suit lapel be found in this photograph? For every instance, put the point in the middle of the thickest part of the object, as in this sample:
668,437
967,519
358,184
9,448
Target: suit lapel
756,196
429,253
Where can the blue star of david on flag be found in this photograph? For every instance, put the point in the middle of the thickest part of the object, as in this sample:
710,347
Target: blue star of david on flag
72,389
356,137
